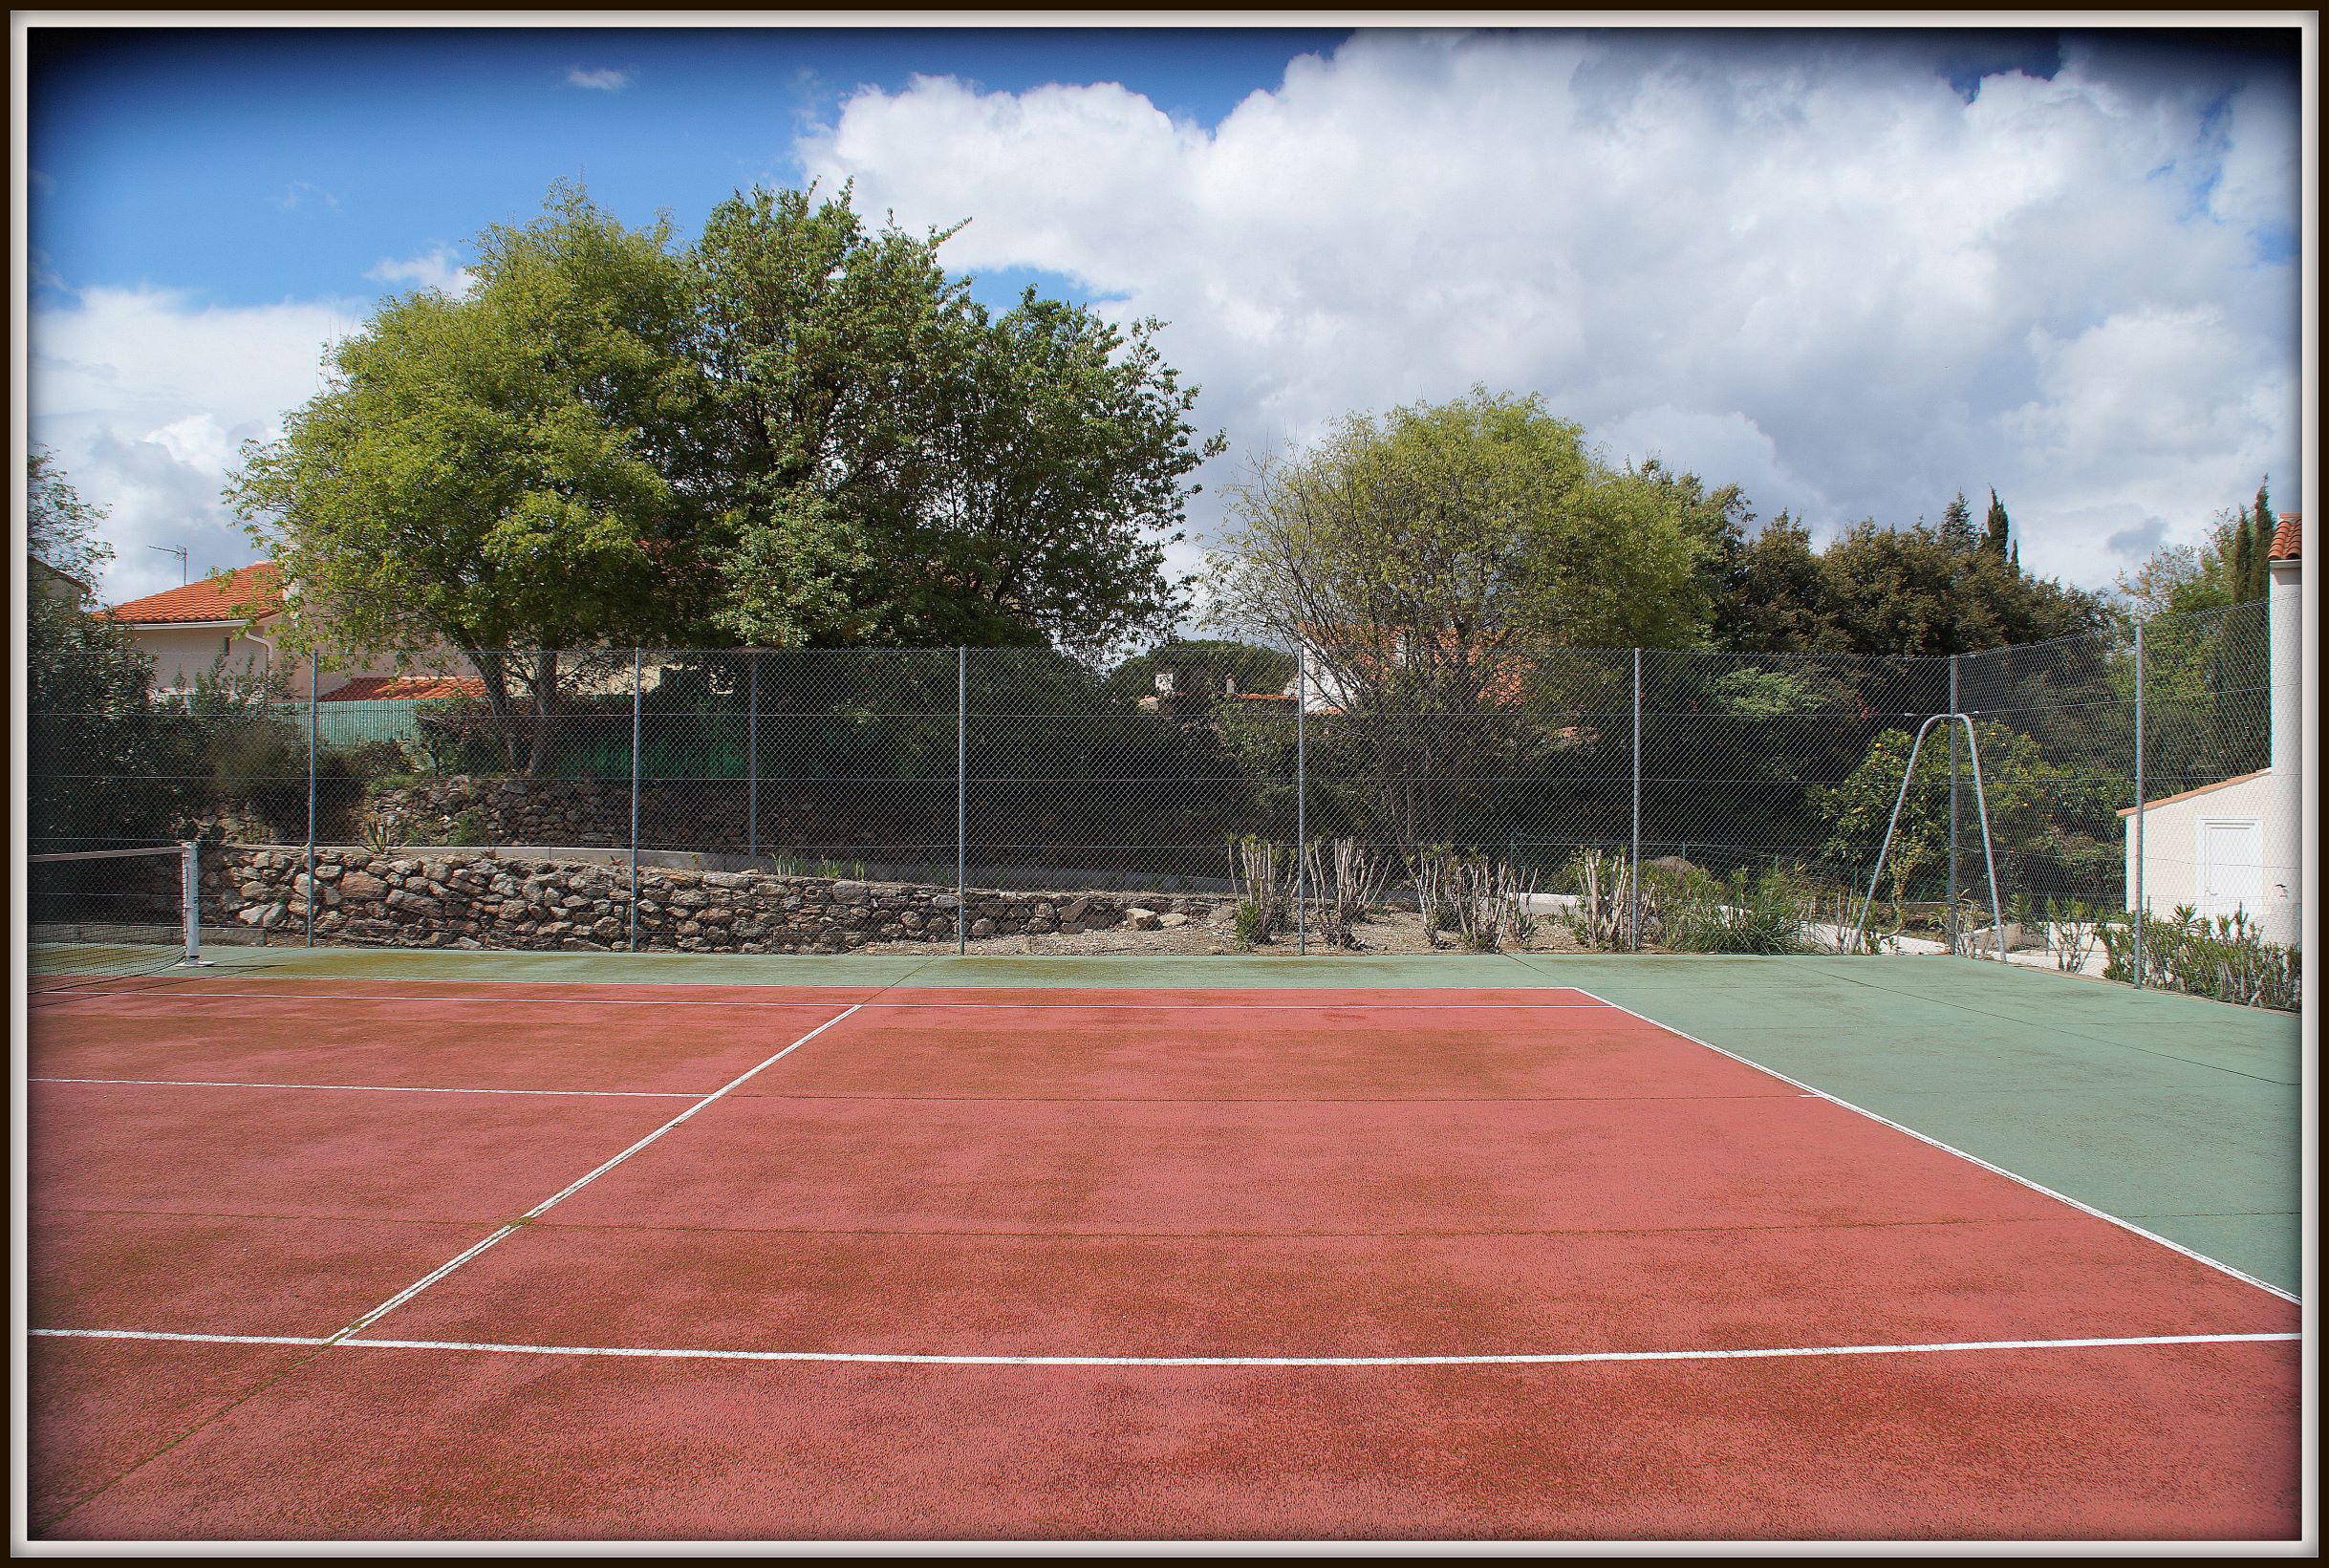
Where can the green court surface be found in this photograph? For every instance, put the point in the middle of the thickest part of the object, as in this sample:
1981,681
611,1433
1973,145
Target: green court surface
2181,1115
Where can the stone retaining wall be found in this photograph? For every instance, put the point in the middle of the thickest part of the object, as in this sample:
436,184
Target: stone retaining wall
476,898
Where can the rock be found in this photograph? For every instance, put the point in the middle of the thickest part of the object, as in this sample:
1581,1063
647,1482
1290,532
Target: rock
1170,920
361,886
1140,919
1074,910
983,928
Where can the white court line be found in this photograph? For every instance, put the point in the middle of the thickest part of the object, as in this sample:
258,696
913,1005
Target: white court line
2220,1267
1550,1358
578,1185
367,1088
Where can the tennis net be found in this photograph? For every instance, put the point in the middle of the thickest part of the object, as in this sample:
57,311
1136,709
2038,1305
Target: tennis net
114,912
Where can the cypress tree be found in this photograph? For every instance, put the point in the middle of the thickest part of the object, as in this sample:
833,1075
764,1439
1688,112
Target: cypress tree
1998,527
2243,552
2260,580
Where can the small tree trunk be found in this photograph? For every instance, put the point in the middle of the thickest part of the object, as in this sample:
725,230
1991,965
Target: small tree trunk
544,706
492,665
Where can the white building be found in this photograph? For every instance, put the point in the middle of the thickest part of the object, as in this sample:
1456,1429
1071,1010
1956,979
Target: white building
2234,844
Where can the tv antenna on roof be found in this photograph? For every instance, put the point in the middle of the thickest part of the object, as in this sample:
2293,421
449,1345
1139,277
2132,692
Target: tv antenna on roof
178,550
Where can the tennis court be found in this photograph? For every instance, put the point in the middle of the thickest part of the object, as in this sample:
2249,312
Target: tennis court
340,1245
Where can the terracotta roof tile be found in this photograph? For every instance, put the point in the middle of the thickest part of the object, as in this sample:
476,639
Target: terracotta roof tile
404,689
232,596
2287,545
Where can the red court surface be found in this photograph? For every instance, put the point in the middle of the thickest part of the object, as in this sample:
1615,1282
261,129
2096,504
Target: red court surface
396,1260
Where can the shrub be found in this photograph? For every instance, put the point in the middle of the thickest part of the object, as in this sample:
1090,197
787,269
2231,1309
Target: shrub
2227,959
1761,914
1257,871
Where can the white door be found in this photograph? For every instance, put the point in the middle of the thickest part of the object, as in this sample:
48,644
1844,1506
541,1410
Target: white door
2232,866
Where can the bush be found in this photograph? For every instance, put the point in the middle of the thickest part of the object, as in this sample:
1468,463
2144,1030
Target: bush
1745,913
2227,959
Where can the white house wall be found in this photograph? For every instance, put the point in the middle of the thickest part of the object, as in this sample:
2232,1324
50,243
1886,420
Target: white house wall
2171,835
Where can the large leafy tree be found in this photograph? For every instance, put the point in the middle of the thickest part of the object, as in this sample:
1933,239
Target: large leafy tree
797,432
1441,536
500,474
1426,560
899,465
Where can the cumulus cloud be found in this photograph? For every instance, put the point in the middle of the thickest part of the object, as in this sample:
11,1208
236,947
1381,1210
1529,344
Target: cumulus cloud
439,270
1808,265
145,395
603,79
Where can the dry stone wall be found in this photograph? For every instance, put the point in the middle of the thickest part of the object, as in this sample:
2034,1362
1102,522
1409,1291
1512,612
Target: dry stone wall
477,898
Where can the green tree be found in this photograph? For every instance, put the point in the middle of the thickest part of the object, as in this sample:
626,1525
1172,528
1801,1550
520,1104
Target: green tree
1427,559
2261,524
1907,591
1957,526
899,465
2231,564
1442,536
502,473
2052,826
1773,596
105,766
1998,530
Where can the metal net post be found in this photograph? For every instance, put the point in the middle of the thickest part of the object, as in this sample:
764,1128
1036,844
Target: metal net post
190,890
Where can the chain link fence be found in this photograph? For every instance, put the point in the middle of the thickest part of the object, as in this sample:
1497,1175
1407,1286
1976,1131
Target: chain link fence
1620,798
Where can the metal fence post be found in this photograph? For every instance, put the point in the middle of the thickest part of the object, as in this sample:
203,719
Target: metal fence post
2140,812
1635,878
751,764
309,899
961,799
1302,803
636,666
1952,808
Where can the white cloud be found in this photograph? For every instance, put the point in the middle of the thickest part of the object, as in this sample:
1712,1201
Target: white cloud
299,194
1805,265
439,270
145,396
603,79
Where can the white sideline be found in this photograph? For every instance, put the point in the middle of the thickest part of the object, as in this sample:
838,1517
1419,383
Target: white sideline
2219,1266
1550,1358
366,1089
578,1185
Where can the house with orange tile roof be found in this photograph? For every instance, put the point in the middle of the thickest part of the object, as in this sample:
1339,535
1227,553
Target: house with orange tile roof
237,615
2236,844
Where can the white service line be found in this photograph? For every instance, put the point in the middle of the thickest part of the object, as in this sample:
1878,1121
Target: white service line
578,1185
1550,1358
367,1088
1812,1092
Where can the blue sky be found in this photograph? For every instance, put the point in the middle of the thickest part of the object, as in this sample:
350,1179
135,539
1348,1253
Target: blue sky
256,166
1852,271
